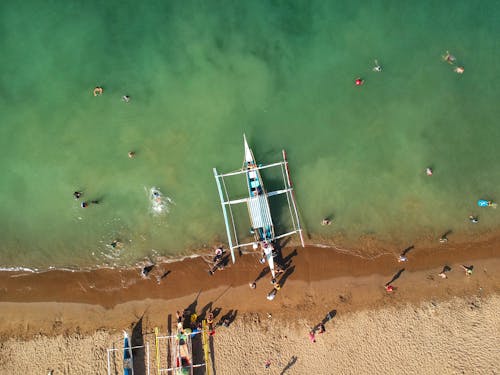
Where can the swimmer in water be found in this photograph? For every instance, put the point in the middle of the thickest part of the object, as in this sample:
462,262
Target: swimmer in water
459,70
77,194
84,205
449,58
131,154
126,98
98,90
428,171
359,81
377,67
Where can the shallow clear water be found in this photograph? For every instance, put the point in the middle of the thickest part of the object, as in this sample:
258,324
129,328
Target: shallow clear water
200,74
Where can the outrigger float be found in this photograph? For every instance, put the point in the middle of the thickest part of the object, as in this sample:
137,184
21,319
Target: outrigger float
258,206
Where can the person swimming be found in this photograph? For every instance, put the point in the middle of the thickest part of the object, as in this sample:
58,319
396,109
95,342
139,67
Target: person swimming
377,67
449,58
359,81
126,98
77,194
98,90
131,154
428,171
459,70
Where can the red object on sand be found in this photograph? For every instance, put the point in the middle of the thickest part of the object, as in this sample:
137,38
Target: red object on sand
359,81
389,288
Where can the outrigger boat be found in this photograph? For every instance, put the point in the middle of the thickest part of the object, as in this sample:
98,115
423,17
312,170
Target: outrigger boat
258,206
128,363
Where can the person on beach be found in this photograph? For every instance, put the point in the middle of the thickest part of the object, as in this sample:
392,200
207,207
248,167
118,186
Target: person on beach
402,258
218,261
389,288
377,68
218,254
449,58
312,336
276,284
77,194
252,285
278,269
473,219
428,171
459,70
326,221
443,272
180,319
272,294
467,269
98,90
116,244
443,239
146,270
321,328
267,364
359,81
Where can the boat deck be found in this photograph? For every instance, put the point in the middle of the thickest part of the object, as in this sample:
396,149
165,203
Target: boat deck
260,215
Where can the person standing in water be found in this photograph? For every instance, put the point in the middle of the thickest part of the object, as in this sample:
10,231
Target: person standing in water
449,58
377,68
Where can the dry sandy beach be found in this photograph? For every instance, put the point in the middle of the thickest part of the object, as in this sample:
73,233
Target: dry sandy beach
64,321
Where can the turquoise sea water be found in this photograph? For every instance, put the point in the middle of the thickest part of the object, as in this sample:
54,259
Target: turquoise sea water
202,73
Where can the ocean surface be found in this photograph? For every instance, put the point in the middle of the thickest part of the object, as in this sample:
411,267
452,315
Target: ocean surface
200,74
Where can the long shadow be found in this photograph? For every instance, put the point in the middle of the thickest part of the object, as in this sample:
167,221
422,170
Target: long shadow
396,276
262,273
286,275
212,353
191,309
138,354
407,250
444,237
165,274
290,256
216,312
204,310
289,365
329,316
228,318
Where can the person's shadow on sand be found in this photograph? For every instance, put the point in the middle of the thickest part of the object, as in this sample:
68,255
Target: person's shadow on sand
286,275
289,365
228,318
396,276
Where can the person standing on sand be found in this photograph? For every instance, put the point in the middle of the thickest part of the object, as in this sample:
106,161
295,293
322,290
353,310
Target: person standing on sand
473,219
402,258
467,269
267,364
312,336
443,272
272,294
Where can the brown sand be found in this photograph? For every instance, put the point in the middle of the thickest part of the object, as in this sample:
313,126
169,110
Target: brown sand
64,320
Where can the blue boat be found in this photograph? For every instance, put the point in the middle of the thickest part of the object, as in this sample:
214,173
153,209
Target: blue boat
258,205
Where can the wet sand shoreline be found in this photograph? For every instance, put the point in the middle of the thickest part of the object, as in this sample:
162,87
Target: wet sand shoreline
319,273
